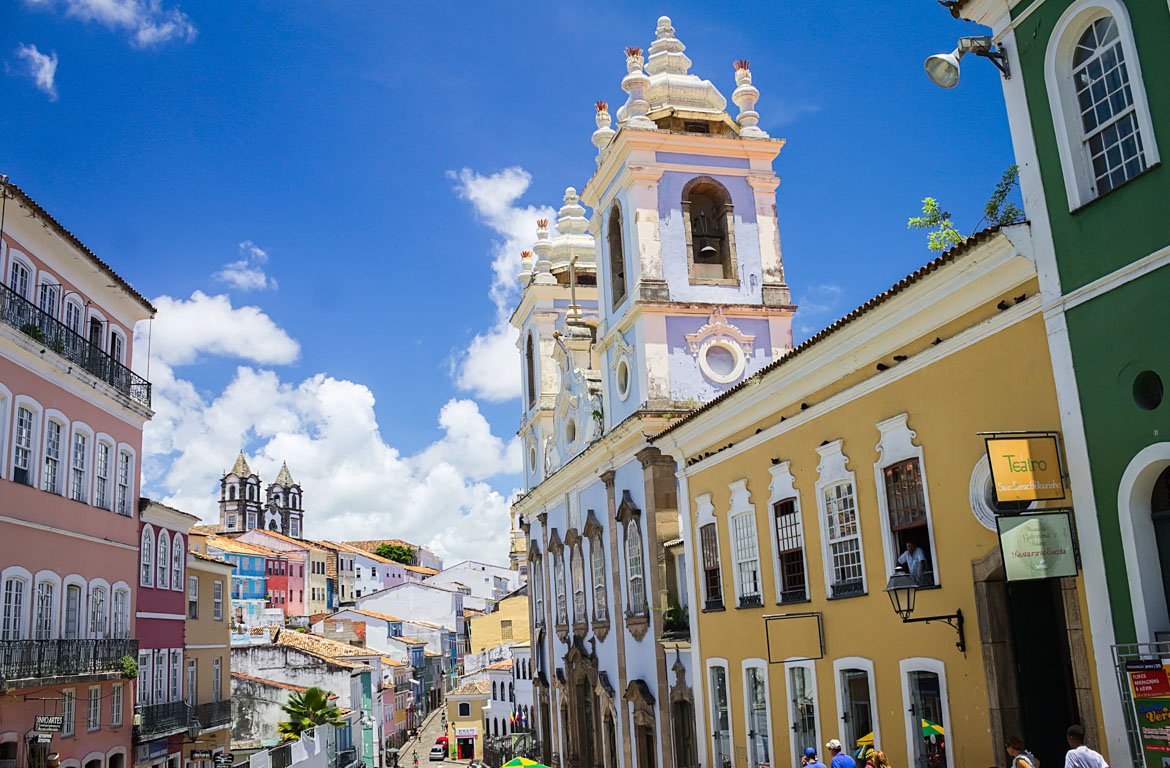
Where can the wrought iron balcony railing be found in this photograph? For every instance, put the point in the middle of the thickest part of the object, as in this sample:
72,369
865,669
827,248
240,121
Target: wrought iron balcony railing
214,713
848,588
156,720
38,659
22,314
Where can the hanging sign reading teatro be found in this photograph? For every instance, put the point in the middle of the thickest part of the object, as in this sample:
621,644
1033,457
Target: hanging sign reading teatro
1025,468
1037,546
1149,685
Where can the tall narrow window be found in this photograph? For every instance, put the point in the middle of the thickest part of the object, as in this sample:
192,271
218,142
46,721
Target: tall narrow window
759,737
712,581
926,705
120,614
93,715
803,712
597,566
192,681
79,476
216,681
634,566
101,482
578,576
73,316
617,255
68,711
559,587
43,618
146,557
123,501
538,589
47,299
856,701
23,442
98,613
178,559
530,370
1111,137
910,533
175,674
844,539
117,694
709,220
72,628
52,479
217,601
160,676
12,626
720,718
116,347
192,597
747,560
143,685
18,278
163,559
790,552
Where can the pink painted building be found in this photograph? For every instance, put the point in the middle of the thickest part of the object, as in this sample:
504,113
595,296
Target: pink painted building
166,595
71,418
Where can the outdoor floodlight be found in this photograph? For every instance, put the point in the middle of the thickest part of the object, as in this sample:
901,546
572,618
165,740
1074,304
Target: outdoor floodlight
943,68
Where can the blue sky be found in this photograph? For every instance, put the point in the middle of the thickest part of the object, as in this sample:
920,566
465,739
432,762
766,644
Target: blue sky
352,160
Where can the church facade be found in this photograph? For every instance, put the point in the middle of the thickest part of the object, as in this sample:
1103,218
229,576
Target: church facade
672,293
241,508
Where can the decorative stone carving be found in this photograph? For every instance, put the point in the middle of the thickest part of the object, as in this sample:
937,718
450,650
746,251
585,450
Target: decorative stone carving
604,133
722,349
745,97
541,273
635,83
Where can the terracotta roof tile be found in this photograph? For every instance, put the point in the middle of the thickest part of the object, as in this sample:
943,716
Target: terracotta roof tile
408,639
286,686
501,665
323,648
237,547
421,569
372,614
473,688
206,529
363,552
298,542
209,558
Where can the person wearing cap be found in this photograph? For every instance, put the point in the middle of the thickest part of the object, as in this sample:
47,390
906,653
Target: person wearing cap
810,759
837,758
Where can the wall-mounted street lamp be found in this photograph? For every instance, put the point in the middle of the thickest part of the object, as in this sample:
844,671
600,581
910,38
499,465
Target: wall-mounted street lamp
902,589
943,68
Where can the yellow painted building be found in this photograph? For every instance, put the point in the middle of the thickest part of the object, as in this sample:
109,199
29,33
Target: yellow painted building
802,489
465,728
507,623
207,657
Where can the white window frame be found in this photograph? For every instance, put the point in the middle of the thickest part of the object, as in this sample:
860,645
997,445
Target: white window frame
146,559
598,582
216,679
832,471
192,594
123,491
1074,163
117,704
93,710
721,663
14,620
68,711
562,606
577,580
98,609
34,439
45,280
761,666
162,560
217,600
6,416
53,582
57,419
865,665
895,446
745,541
810,666
103,497
178,562
78,312
82,586
782,488
159,682
175,675
634,526
116,333
192,681
79,485
120,619
144,664
913,728
15,257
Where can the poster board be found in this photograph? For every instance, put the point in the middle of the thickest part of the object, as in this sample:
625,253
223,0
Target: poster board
1149,686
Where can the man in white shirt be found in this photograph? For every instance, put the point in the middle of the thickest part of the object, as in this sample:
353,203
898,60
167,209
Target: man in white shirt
914,559
1080,756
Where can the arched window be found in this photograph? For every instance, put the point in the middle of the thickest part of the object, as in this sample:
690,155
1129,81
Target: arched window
15,598
44,610
493,689
530,370
232,492
709,219
178,560
559,586
146,557
578,576
1098,100
597,566
98,613
163,558
637,579
120,614
617,255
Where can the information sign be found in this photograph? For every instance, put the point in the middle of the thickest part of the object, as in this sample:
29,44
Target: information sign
48,723
1025,468
1149,685
1037,546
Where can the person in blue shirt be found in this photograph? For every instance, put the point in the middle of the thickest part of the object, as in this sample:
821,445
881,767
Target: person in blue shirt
838,759
810,759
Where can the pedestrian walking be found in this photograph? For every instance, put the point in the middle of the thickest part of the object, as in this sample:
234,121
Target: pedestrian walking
810,759
877,759
1079,755
838,759
1019,754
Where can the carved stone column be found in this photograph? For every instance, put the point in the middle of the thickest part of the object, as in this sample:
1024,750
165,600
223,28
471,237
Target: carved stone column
607,477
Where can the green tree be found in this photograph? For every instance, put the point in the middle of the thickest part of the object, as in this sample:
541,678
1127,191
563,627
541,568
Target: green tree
399,553
999,211
306,711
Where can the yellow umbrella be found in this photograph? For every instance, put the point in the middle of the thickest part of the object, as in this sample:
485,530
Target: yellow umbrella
522,762
866,740
929,729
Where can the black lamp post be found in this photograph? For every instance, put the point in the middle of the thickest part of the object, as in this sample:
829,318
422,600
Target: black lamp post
902,589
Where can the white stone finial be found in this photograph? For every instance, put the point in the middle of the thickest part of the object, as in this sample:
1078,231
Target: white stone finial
604,133
542,272
666,52
745,97
571,217
635,83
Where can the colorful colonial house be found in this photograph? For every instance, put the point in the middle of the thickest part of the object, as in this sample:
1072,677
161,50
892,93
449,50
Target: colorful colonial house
841,468
207,662
71,418
251,592
1088,120
670,296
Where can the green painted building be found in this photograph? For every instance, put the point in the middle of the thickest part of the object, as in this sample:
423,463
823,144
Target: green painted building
1088,101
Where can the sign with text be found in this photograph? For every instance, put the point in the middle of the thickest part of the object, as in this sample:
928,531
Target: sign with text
1149,685
1037,546
1025,468
200,754
48,723
466,733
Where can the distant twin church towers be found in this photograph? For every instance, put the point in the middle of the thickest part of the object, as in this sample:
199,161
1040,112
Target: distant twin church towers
240,507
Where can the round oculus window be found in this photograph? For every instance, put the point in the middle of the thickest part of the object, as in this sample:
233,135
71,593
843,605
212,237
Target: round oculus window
532,457
1147,390
623,379
722,362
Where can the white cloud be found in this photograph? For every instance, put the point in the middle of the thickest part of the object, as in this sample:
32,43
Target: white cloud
356,484
147,21
490,366
818,305
185,329
247,273
41,68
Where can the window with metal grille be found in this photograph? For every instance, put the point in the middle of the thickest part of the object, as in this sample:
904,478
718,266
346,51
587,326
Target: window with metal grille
746,553
790,552
1109,124
844,541
711,577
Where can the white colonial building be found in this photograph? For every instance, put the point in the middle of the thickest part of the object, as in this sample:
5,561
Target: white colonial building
670,295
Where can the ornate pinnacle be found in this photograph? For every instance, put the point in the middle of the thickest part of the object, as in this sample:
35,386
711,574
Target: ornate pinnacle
742,64
602,105
633,50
